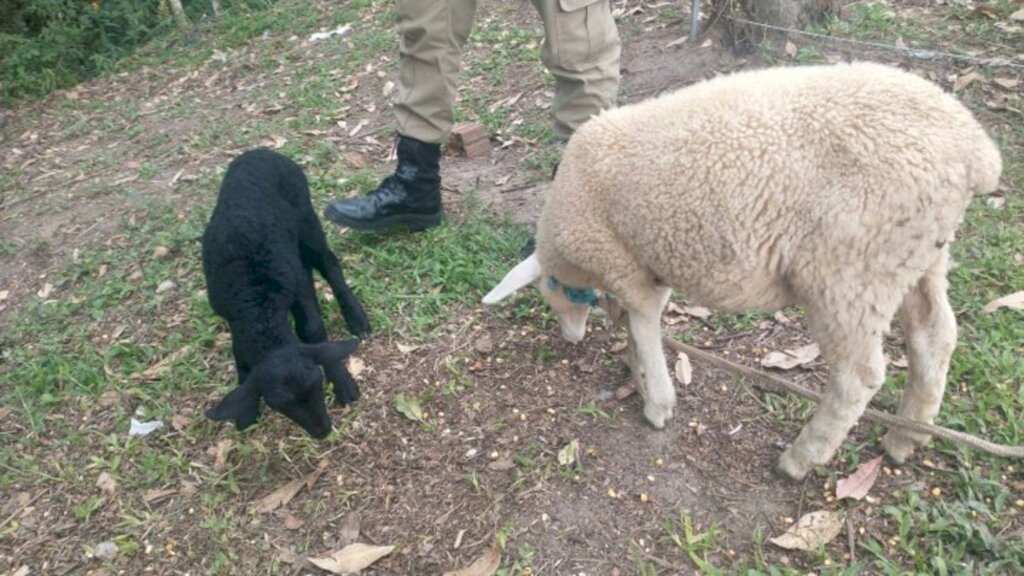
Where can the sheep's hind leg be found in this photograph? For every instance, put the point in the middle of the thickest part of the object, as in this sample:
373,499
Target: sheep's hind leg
929,327
317,254
856,372
645,331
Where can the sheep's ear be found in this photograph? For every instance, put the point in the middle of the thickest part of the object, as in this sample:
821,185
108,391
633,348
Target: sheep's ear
330,352
525,273
241,405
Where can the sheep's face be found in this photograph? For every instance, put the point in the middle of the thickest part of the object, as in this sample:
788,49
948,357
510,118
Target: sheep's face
299,395
571,306
290,381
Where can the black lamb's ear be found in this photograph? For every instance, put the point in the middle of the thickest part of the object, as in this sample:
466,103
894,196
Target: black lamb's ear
241,405
330,352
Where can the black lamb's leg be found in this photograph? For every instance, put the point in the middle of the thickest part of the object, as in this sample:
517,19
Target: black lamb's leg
309,322
316,252
346,391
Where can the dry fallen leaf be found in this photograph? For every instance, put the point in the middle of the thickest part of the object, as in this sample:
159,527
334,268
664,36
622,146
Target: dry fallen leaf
791,49
220,453
501,465
678,41
389,86
356,366
352,558
684,370
1007,83
292,523
790,359
567,455
154,496
356,159
1013,301
164,286
107,484
485,565
811,531
156,371
858,484
901,362
625,391
45,290
358,127
697,312
966,80
1018,16
406,348
180,422
349,531
284,494
4,294
160,252
619,346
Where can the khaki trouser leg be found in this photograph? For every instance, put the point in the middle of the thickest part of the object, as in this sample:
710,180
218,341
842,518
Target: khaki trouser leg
581,48
432,33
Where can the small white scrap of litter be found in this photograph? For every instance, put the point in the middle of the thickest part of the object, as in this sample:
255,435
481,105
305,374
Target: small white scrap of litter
340,30
144,428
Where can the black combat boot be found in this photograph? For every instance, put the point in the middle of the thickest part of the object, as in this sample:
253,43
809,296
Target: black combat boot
412,196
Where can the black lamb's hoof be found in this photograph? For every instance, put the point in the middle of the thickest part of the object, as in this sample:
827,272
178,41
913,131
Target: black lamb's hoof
346,392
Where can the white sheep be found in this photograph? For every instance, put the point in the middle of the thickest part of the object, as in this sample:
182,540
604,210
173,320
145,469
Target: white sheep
836,188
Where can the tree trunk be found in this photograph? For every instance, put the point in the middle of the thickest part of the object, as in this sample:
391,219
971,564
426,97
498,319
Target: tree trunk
787,14
179,14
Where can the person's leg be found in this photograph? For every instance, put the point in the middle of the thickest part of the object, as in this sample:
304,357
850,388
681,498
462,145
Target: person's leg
432,33
581,49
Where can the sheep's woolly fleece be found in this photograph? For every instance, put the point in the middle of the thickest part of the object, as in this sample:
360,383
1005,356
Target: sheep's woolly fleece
817,184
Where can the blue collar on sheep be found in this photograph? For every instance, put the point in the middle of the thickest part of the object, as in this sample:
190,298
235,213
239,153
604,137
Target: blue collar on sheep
587,296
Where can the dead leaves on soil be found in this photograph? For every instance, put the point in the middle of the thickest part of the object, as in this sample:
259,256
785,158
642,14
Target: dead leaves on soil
683,370
158,370
858,484
485,565
569,453
789,359
352,558
811,532
284,494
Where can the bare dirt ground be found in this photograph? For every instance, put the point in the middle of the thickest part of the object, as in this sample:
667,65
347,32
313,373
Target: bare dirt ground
501,398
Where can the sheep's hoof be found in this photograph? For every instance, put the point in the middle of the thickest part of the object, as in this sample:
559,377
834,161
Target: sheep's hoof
657,415
789,468
899,445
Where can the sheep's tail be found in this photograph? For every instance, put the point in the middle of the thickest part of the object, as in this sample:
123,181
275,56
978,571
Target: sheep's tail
985,166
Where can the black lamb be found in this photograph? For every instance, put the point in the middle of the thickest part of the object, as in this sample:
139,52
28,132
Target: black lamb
259,249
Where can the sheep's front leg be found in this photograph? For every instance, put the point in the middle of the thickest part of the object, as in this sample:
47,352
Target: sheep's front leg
645,331
857,370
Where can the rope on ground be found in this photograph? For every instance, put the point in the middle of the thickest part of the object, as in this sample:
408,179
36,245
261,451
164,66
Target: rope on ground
917,53
772,383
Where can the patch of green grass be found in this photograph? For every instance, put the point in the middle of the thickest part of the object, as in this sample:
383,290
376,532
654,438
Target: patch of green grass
876,20
409,283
